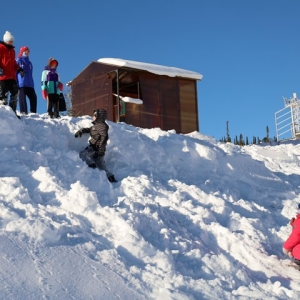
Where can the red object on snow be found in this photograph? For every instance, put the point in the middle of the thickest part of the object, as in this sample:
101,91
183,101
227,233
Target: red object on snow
293,242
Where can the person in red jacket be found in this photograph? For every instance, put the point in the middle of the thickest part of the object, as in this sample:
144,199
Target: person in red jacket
291,246
8,71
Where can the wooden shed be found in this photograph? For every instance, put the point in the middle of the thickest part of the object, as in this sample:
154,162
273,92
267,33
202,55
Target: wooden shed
141,94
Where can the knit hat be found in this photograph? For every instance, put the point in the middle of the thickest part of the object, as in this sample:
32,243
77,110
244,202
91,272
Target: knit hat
100,114
8,37
51,61
22,50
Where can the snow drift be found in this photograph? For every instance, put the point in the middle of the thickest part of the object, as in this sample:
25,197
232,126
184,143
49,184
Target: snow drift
190,218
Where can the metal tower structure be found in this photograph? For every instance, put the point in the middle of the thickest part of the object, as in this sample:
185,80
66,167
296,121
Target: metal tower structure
287,120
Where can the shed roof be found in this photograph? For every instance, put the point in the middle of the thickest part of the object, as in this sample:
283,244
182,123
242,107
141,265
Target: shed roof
155,69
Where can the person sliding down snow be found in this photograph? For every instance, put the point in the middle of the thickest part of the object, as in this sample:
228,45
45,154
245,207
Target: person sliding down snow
291,247
93,154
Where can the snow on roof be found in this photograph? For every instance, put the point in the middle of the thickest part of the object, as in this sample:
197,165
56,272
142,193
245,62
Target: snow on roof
155,69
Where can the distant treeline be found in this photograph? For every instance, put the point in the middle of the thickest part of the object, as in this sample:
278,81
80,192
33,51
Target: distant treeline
245,141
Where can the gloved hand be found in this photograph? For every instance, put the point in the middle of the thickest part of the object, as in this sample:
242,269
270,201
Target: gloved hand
60,86
78,133
22,72
292,221
101,151
1,72
45,94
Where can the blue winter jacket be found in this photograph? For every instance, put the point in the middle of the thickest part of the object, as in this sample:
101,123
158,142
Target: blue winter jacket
27,80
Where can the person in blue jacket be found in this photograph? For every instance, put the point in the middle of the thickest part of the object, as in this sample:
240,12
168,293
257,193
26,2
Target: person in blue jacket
51,88
26,83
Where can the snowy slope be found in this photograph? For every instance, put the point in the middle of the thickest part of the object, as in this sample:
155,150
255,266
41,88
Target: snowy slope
189,218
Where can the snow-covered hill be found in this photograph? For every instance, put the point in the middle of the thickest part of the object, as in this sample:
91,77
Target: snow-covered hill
189,218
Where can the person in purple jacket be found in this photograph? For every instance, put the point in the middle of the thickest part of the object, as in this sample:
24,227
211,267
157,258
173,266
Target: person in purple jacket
51,87
26,83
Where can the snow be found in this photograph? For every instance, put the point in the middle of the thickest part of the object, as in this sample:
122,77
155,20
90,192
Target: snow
152,68
189,218
130,100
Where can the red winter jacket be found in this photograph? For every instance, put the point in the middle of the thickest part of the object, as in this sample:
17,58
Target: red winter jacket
293,242
8,61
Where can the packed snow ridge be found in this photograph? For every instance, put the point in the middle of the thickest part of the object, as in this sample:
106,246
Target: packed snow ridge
189,218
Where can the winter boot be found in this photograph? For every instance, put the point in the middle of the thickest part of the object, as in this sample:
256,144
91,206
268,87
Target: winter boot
56,115
297,262
112,178
93,166
3,97
13,104
4,100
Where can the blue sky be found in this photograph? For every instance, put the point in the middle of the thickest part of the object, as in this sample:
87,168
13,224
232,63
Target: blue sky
247,51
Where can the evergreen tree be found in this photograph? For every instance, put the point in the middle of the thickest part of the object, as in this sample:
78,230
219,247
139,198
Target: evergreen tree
247,142
228,138
241,143
266,139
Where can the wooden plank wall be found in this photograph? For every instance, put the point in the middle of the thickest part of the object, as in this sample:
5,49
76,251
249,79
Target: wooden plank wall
91,94
188,106
150,110
169,106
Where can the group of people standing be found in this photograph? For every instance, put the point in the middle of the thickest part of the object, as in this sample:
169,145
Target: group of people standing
16,79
